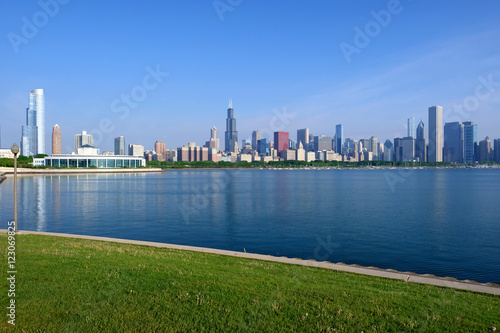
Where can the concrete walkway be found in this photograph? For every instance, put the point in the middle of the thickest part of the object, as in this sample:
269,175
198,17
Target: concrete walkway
27,171
489,288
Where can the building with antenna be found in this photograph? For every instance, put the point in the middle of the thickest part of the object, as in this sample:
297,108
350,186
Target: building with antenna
231,135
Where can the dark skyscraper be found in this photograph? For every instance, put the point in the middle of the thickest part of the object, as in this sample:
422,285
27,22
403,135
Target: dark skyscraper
453,142
231,132
420,145
339,139
303,137
470,142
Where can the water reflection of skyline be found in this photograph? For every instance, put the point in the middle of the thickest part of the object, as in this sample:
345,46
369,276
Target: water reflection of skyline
439,222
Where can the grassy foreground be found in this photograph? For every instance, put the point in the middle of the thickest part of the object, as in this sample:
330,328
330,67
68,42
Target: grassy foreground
71,285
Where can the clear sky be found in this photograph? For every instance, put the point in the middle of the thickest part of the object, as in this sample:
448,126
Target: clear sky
286,65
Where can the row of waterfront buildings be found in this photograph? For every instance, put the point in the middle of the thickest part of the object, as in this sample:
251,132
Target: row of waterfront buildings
452,142
449,142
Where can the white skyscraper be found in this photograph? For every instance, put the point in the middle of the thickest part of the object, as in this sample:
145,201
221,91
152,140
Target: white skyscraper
435,152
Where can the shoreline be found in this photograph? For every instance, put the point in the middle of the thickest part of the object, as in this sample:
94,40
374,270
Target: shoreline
26,171
489,288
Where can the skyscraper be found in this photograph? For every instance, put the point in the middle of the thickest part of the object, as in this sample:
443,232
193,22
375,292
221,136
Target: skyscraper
470,142
231,134
435,153
263,147
322,142
56,140
484,150
255,139
453,142
120,145
496,149
411,127
339,138
388,150
33,133
281,141
373,147
303,137
82,140
408,150
214,140
420,145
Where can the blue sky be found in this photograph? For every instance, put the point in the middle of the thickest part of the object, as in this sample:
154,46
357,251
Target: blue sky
281,62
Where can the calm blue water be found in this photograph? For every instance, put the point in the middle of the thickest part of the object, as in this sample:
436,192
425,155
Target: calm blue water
443,222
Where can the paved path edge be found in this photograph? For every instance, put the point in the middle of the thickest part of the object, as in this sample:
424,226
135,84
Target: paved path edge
488,288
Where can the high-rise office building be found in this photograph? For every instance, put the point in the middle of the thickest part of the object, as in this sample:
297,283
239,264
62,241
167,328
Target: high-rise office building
83,139
33,133
373,147
136,150
398,149
435,152
281,141
303,137
420,144
56,140
470,142
292,144
496,149
339,139
231,134
322,142
214,140
453,151
408,149
388,150
255,139
411,127
263,147
484,150
120,145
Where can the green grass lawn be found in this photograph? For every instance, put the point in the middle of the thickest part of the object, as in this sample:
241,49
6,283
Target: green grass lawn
72,285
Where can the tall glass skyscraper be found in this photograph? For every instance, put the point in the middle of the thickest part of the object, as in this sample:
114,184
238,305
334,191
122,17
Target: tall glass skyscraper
453,142
470,142
411,127
33,133
420,145
231,132
339,138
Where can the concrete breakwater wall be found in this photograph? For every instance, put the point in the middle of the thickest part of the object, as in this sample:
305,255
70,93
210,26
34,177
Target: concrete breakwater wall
23,171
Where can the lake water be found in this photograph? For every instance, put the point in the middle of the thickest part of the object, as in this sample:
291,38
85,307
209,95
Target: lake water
442,222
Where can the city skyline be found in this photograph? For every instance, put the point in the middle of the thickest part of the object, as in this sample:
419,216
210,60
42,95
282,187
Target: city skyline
276,85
